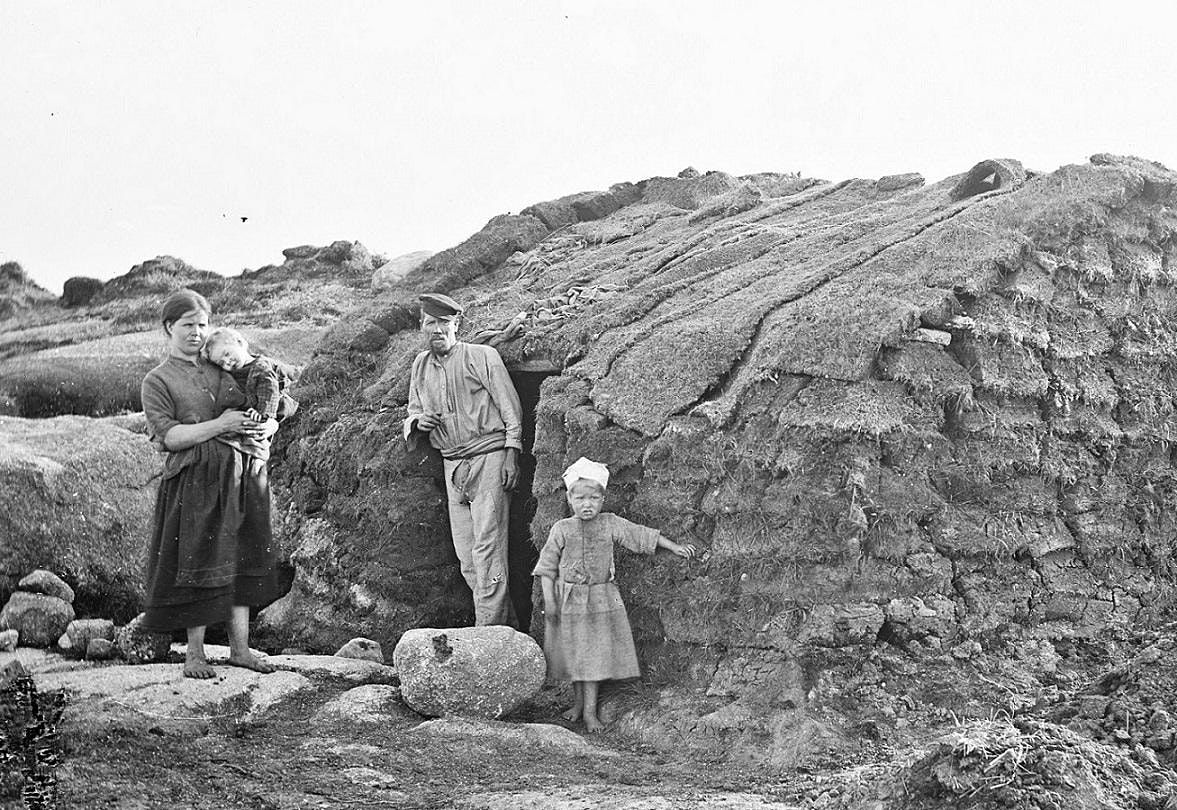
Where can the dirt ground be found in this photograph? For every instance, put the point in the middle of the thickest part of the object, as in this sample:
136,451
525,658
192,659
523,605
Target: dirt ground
1099,738
287,762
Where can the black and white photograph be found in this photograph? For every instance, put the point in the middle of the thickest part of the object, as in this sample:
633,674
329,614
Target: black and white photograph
621,404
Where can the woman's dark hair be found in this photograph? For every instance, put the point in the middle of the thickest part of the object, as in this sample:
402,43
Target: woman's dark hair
180,302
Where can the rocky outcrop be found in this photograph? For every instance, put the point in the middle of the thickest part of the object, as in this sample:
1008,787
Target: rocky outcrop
157,278
388,274
475,672
341,260
894,416
78,496
18,292
79,290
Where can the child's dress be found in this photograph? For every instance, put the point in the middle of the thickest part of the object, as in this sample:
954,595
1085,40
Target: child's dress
592,640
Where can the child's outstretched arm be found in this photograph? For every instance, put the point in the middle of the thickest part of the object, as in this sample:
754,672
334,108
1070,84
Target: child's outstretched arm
683,550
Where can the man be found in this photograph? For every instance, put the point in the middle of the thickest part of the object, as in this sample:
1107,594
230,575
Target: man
460,395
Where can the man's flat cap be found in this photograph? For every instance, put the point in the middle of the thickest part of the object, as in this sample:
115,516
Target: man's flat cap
439,306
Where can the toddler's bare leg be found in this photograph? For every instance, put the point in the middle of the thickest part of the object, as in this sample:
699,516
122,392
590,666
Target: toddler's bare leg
577,709
591,721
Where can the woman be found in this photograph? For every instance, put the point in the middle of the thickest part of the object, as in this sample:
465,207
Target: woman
211,556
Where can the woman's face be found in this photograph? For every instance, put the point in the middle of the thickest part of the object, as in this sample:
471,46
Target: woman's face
187,334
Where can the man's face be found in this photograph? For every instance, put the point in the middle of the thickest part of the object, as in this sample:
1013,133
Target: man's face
440,331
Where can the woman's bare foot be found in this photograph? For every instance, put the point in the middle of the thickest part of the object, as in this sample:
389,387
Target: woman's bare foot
573,714
591,724
249,661
195,666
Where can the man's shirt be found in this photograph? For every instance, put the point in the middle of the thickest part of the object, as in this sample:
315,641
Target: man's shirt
471,391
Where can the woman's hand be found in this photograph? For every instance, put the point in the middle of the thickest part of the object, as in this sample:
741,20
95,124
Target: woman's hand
234,421
685,550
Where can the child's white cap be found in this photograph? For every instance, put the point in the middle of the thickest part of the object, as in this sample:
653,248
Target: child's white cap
585,468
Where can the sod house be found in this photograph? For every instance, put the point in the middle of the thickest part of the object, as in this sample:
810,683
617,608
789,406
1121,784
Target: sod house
903,423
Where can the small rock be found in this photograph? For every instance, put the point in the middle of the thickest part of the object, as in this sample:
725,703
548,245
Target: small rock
99,649
137,646
364,649
40,619
48,583
8,639
80,631
475,672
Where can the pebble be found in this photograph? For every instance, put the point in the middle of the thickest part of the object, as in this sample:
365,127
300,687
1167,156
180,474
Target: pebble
364,649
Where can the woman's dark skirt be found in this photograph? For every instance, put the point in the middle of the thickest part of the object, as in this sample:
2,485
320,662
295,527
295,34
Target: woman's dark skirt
211,544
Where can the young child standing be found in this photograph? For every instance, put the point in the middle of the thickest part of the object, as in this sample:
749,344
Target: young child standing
262,380
587,638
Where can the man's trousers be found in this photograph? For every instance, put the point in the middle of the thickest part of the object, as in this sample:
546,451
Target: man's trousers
479,508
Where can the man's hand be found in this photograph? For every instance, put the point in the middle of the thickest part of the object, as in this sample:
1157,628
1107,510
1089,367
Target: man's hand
428,421
510,469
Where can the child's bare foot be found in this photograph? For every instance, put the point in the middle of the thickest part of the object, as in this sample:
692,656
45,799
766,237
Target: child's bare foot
249,661
195,666
573,714
592,725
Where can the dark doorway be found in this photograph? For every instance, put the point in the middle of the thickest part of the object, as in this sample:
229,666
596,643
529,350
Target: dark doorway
522,551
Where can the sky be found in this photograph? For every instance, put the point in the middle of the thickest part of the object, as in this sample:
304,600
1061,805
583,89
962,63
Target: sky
223,132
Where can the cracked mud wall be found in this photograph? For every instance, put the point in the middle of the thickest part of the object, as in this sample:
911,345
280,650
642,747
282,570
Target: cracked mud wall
894,416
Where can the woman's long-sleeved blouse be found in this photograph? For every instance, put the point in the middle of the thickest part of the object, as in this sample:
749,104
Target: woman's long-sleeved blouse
182,392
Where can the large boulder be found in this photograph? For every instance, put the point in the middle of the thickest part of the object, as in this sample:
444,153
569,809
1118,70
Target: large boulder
39,619
78,497
476,672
